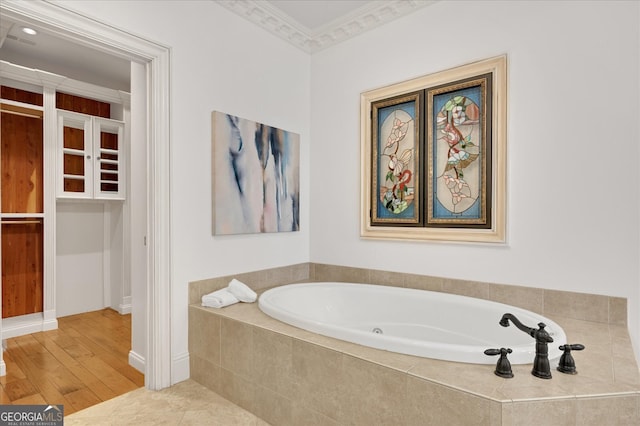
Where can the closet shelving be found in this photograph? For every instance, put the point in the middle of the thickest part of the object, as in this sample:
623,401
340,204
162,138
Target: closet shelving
40,166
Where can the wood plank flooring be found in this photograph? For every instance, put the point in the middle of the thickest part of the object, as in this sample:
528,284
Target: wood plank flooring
82,363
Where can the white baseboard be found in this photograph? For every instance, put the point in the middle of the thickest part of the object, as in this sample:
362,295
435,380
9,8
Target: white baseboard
3,366
180,368
125,307
27,324
137,361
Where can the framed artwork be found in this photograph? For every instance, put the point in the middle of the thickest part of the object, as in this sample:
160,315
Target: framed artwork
459,160
255,177
396,173
434,156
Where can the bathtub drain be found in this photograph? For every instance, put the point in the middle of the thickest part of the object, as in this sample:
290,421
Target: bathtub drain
377,330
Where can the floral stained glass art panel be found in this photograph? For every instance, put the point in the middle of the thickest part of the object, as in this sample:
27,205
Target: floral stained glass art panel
459,155
396,178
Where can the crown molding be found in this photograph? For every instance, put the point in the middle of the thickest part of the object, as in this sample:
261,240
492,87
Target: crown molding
372,15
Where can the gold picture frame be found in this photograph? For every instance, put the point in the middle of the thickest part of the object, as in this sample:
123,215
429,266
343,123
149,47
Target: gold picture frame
458,170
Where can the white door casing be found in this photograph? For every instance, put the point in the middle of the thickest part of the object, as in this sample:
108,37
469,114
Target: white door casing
156,58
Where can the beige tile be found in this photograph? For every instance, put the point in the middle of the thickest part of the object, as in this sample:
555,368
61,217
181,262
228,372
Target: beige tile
423,282
236,352
317,373
433,404
197,289
475,289
331,343
272,407
588,307
471,378
323,272
618,310
273,361
392,279
626,371
302,416
152,419
190,395
312,271
385,398
286,329
536,413
611,411
204,335
620,348
618,331
265,278
388,359
205,372
259,280
218,416
107,408
186,403
300,272
595,364
317,386
84,421
336,273
495,413
237,389
521,297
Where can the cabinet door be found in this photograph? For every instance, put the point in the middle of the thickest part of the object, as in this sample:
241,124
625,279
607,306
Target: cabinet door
75,150
109,181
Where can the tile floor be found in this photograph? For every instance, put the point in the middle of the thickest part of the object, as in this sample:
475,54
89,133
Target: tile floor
186,403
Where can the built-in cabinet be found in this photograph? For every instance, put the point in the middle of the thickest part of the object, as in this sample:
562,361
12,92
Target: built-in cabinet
90,153
63,152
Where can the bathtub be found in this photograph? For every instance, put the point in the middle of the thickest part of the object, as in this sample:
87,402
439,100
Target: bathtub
414,322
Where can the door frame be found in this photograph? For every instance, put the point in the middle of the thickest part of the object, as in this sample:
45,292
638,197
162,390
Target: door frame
156,58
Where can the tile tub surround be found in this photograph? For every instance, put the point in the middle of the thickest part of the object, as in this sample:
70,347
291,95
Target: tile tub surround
590,307
288,376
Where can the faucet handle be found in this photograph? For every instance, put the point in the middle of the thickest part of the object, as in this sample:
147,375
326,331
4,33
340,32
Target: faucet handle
503,367
574,347
567,364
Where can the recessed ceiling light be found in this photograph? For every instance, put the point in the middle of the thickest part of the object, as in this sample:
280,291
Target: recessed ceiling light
29,31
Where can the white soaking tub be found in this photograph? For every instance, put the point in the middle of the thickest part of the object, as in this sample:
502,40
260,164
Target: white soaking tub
414,322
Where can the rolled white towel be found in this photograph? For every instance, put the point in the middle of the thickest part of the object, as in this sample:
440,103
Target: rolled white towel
242,291
219,299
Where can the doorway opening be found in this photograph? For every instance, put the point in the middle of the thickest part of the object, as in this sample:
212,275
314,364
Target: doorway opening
151,298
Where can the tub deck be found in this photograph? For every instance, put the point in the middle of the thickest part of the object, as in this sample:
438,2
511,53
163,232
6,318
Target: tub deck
289,376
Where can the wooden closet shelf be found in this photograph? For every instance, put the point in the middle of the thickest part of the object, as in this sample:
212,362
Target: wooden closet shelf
21,222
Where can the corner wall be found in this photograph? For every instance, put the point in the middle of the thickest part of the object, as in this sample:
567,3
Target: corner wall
572,183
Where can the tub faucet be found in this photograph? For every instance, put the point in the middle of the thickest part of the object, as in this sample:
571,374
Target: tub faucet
541,366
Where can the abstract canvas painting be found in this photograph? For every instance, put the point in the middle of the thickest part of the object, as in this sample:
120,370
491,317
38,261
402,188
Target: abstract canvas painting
256,177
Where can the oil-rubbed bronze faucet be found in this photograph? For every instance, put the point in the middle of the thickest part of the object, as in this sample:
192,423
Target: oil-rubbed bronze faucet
541,366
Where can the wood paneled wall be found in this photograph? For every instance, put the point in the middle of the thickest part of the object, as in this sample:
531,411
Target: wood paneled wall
22,192
21,162
18,95
22,267
83,105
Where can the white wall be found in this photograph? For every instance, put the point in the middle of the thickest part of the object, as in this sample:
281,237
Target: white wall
573,217
220,62
79,258
89,257
573,190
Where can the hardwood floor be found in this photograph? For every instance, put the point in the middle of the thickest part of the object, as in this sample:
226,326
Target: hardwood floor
82,363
